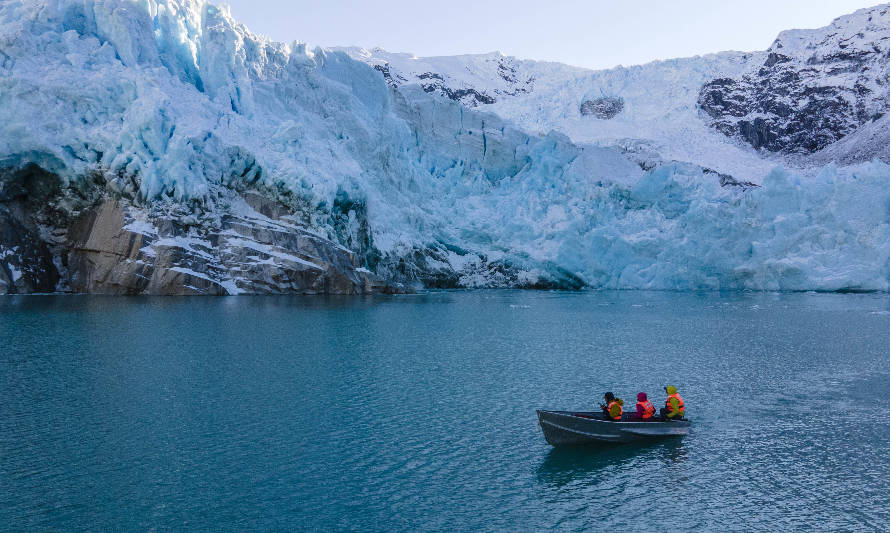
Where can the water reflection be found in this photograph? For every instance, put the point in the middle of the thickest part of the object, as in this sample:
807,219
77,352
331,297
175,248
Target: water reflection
567,464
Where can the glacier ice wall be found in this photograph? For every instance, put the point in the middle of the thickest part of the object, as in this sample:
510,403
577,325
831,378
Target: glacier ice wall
676,229
173,100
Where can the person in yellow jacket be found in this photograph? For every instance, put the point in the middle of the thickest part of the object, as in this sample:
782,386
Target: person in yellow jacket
613,408
674,408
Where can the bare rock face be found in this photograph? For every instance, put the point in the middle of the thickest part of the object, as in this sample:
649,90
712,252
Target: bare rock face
55,241
102,254
604,108
124,250
107,257
26,259
26,264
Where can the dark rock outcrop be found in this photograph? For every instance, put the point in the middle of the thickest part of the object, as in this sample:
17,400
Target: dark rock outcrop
728,181
392,81
509,82
434,83
28,213
604,108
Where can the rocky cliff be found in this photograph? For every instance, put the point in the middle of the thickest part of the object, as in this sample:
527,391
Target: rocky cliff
57,238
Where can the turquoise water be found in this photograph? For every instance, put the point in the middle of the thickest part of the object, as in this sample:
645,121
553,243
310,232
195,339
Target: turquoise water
418,412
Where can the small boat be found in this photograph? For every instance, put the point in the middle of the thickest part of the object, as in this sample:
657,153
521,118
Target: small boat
571,427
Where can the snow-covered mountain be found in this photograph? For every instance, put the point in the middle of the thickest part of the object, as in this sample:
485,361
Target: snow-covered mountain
815,87
158,146
651,110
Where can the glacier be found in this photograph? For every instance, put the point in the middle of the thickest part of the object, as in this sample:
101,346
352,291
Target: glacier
469,171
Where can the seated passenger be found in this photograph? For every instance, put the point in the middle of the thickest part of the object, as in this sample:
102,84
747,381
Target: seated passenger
673,409
612,408
645,409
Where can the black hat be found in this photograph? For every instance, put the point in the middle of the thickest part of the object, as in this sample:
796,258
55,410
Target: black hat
609,396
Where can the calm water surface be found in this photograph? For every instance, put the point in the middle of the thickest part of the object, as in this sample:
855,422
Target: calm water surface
418,412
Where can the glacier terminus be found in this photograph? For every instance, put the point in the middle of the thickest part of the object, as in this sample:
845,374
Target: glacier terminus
161,147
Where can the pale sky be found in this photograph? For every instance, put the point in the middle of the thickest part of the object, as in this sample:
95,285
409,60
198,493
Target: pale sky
586,33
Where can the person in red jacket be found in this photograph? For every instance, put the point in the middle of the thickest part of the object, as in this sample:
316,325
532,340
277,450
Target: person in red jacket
645,409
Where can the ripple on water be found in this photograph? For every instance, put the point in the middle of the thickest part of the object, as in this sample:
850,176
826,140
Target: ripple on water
418,413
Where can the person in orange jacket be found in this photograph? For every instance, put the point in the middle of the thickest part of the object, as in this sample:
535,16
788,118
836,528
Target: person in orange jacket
612,409
674,408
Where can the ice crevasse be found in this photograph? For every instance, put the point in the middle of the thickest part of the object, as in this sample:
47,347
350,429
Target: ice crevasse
173,101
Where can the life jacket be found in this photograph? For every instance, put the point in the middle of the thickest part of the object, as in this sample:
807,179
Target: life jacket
648,409
670,408
609,409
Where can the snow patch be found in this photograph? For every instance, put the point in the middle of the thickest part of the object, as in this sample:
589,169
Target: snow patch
190,244
270,251
16,273
142,227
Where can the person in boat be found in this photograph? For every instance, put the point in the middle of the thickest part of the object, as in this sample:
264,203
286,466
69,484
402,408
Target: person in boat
613,407
673,409
645,409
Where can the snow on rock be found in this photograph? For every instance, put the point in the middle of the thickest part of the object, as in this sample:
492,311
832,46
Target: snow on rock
472,80
814,87
113,251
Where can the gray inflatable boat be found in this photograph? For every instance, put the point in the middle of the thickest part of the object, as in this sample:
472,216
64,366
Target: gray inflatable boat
572,427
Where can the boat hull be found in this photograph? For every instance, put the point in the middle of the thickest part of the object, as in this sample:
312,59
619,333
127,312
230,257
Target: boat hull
572,427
